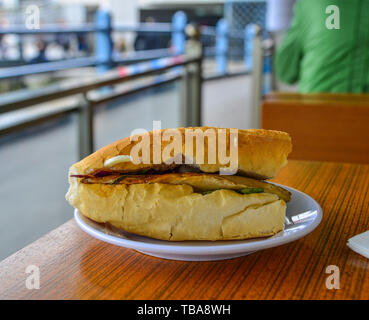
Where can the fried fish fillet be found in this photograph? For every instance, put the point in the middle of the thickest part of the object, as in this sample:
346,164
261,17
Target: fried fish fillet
199,181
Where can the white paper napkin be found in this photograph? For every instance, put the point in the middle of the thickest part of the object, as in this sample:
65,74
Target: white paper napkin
360,244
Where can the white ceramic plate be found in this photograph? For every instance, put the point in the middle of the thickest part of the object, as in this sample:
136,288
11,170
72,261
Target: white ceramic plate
302,217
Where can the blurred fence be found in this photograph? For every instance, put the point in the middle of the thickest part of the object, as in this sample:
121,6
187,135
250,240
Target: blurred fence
221,44
211,42
87,98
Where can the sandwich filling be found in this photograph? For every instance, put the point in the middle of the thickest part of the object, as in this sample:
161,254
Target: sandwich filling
201,182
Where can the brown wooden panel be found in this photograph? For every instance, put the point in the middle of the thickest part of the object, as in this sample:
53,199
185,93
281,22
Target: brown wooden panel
74,265
318,96
323,127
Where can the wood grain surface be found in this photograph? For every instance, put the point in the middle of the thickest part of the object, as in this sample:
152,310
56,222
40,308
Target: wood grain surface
323,127
74,265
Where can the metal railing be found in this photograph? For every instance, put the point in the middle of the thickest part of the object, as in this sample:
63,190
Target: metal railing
187,70
216,44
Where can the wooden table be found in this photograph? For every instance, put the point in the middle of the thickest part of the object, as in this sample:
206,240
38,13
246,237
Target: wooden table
73,265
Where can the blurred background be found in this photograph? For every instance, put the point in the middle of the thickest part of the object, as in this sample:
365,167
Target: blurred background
77,75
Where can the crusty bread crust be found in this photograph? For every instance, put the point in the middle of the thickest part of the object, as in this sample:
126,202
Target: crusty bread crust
260,153
177,213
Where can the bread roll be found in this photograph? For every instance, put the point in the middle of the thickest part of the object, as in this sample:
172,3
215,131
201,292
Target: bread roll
172,205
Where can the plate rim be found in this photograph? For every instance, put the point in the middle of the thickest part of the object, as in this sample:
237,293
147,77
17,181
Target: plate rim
230,248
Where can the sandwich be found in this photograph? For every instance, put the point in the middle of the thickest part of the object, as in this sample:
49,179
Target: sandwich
185,193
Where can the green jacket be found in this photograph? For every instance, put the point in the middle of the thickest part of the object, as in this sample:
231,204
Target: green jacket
322,59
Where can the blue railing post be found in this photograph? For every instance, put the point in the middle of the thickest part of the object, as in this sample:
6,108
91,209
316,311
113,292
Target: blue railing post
103,40
179,22
221,46
267,75
250,31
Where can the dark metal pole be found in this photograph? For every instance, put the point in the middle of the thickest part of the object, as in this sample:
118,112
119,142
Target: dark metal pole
85,127
194,50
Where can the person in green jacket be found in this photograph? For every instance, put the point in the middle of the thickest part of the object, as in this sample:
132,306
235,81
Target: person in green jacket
326,48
